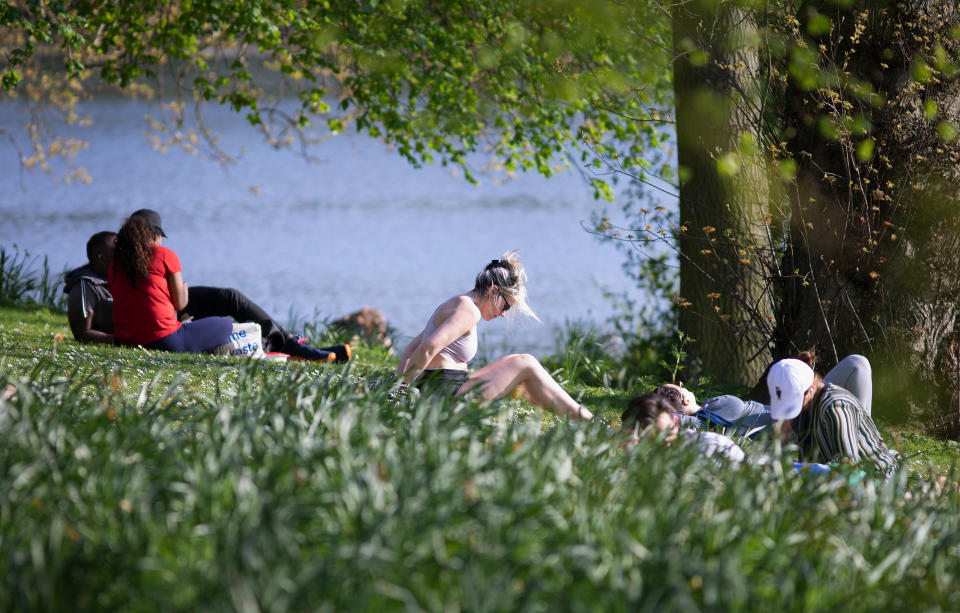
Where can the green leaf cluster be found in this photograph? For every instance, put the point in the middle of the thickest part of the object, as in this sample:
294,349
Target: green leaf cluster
438,80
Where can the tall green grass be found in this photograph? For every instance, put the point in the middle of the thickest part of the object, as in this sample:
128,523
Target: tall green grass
26,279
144,481
583,355
293,489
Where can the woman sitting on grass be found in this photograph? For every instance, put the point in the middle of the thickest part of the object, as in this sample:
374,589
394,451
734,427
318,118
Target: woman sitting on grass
438,356
147,285
660,412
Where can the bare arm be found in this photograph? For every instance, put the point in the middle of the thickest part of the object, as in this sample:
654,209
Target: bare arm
407,353
82,328
459,316
178,290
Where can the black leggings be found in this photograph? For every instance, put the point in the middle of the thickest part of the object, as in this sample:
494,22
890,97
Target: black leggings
227,302
442,380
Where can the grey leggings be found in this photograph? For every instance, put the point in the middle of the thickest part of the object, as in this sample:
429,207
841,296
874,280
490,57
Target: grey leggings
853,373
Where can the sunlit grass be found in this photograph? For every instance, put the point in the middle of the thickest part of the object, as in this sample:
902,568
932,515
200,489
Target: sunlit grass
139,480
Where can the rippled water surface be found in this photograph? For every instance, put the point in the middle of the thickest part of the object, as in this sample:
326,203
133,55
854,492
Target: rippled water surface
322,239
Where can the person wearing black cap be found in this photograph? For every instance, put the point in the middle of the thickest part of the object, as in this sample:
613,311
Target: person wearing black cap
152,218
90,305
146,281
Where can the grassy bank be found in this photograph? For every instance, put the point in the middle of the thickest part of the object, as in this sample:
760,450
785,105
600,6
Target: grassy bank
147,481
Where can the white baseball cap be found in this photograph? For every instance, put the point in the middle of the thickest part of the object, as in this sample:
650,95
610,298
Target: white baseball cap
787,381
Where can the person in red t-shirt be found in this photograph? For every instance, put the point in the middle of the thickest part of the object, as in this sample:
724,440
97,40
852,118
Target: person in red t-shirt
146,281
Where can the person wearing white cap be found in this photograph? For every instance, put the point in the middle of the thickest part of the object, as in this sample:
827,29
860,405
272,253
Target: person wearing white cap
745,417
827,420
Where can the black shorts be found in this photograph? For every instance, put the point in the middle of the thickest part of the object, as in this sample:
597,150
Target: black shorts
442,380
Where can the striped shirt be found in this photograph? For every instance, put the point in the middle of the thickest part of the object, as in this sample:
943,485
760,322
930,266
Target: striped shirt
837,429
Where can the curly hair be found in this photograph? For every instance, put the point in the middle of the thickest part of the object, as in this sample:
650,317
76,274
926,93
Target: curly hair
133,250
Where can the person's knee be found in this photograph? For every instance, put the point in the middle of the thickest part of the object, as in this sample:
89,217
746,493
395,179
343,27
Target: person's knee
524,362
857,362
232,294
224,326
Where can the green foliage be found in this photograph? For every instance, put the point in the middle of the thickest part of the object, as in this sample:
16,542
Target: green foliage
678,356
276,488
585,356
836,226
437,80
21,280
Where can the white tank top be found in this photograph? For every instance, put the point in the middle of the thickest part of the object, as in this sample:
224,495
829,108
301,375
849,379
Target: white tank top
462,349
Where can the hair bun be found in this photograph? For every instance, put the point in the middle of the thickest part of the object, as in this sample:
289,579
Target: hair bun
506,272
808,357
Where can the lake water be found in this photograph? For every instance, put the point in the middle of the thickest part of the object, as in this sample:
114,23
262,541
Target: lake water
319,240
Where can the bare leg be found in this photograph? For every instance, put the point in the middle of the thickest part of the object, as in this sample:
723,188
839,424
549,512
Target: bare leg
522,372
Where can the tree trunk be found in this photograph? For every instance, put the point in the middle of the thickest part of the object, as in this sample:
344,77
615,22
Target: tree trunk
725,305
875,240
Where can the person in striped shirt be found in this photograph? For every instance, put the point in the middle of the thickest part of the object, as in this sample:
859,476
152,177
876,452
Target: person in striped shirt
826,420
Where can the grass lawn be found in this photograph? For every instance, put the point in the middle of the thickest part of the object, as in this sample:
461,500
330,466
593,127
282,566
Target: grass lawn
138,480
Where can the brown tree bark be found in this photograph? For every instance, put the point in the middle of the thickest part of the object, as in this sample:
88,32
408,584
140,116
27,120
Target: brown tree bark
725,304
873,264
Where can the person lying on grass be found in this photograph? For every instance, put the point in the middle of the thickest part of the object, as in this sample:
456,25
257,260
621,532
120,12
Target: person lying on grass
437,358
660,412
90,306
826,420
852,373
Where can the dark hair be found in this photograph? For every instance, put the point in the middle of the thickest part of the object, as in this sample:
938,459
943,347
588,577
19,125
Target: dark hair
133,252
642,411
670,393
98,242
809,358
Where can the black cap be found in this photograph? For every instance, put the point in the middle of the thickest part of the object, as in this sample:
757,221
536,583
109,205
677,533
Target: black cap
152,218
